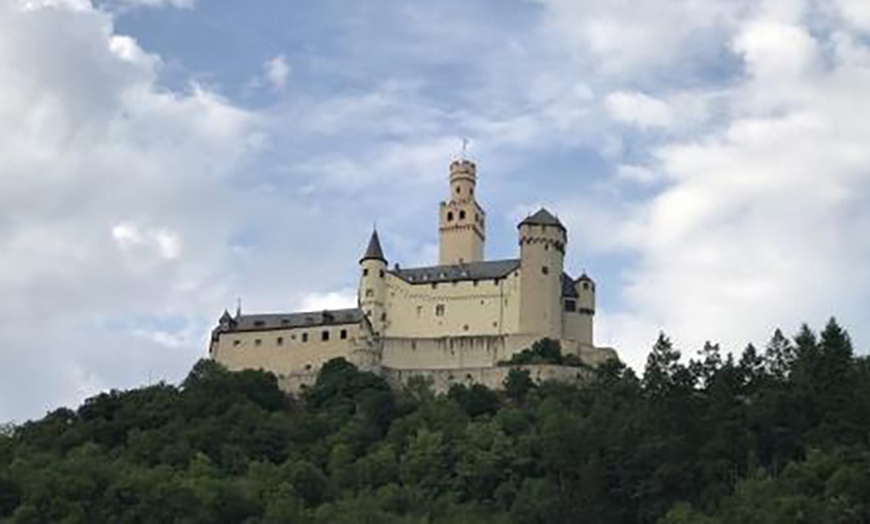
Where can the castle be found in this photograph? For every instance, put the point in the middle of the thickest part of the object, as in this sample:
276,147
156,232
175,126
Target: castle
455,322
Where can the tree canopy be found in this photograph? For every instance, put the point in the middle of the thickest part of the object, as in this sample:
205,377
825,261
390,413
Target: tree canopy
778,434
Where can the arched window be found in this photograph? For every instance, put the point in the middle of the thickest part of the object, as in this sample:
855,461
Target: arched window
462,215
450,216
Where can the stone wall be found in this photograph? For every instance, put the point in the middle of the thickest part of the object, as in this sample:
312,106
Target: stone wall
491,377
467,308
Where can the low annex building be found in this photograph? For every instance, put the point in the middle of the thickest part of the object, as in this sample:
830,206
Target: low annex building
452,323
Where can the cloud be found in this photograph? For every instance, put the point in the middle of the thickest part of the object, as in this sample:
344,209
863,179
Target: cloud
116,205
761,223
277,72
129,4
639,109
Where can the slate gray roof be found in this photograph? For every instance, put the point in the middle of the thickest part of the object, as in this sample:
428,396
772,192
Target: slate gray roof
542,218
374,250
269,321
459,272
568,289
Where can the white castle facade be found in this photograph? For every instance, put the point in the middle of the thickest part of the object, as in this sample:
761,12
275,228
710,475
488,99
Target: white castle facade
456,322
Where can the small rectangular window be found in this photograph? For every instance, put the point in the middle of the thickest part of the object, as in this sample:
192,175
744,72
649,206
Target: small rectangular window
439,310
304,337
365,272
324,336
571,305
280,341
381,273
343,334
370,293
545,270
257,342
237,342
419,311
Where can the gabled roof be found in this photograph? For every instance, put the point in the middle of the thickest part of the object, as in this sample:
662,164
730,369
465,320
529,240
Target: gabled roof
374,251
458,272
542,218
271,321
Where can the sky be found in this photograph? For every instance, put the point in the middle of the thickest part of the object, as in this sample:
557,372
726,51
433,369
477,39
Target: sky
160,159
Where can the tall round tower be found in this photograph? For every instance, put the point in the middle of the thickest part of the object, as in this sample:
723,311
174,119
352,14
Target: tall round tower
542,255
462,223
585,288
373,285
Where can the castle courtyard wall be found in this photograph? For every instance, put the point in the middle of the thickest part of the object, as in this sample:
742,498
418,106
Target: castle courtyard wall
467,308
287,351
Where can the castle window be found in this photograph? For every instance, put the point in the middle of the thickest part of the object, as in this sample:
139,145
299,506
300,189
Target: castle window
293,337
381,273
257,342
383,317
324,336
237,342
280,341
434,285
365,272
458,190
570,305
370,293
462,215
259,323
545,270
476,283
585,285
343,334
419,311
450,216
304,337
439,310
465,327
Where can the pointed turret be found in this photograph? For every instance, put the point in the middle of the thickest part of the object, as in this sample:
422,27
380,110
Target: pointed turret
374,251
372,296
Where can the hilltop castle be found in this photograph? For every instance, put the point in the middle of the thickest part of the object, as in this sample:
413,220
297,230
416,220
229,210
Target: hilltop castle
452,323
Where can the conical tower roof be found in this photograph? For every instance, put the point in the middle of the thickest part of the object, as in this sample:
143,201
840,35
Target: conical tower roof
374,251
542,218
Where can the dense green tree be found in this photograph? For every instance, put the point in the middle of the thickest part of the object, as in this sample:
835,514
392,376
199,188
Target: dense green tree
775,437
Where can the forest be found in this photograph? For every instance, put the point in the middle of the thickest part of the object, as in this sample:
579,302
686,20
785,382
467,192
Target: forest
775,434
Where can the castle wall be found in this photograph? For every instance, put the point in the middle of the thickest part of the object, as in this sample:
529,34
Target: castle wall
491,377
454,352
577,327
483,309
284,351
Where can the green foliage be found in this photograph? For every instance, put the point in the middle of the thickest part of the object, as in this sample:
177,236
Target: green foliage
544,351
779,435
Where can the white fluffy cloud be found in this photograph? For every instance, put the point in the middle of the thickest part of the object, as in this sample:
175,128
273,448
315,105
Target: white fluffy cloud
638,109
763,221
115,208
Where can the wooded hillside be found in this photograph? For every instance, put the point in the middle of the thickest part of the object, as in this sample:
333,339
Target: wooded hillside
779,434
